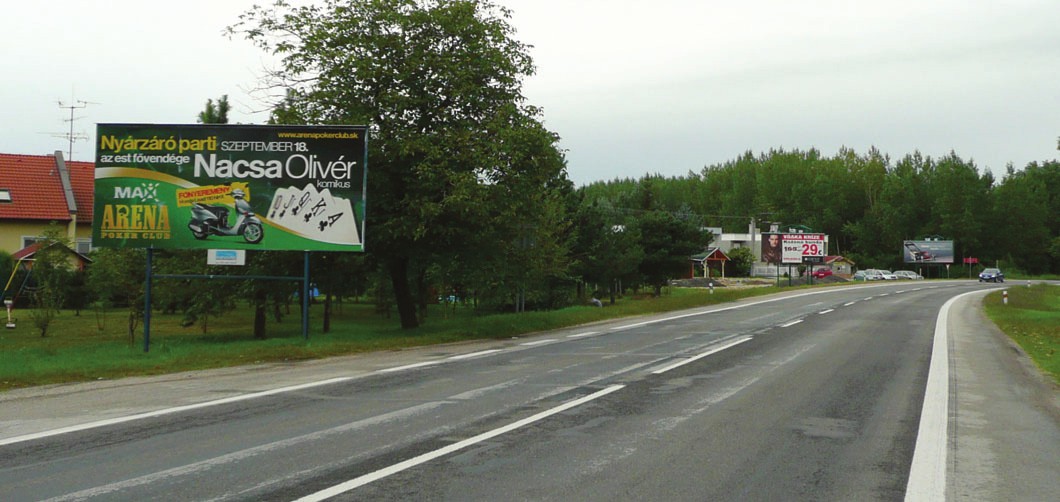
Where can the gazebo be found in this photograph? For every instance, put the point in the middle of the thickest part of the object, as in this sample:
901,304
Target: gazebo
712,259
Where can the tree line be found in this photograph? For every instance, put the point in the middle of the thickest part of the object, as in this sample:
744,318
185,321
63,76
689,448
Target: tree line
469,199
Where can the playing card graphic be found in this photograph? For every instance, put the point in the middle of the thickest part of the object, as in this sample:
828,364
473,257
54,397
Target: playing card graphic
314,214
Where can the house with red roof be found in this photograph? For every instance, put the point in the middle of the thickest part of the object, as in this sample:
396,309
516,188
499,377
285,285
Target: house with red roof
37,190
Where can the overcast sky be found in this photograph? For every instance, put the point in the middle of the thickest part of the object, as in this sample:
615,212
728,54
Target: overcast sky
662,87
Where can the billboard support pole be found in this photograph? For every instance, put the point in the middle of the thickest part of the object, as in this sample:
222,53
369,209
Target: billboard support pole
147,302
305,299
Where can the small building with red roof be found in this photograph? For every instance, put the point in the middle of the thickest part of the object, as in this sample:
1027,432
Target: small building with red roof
37,190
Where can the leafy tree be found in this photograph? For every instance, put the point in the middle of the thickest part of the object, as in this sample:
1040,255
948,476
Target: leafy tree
668,243
438,81
215,113
117,279
52,272
740,262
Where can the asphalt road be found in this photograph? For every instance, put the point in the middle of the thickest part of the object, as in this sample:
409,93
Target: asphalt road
834,394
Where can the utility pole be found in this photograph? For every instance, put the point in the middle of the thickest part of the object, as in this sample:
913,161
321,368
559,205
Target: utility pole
70,136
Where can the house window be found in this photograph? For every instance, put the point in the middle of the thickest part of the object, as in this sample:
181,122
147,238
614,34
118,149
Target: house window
29,241
5,195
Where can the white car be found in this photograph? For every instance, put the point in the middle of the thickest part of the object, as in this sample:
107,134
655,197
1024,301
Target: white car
870,274
888,275
908,274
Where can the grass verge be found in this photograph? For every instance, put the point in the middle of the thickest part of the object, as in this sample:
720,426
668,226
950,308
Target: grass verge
95,345
1032,319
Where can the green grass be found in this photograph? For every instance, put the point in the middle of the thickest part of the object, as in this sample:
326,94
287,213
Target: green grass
77,349
1032,320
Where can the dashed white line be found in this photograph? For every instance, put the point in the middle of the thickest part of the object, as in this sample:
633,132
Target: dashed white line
473,354
579,335
538,342
790,324
427,457
849,304
823,312
701,356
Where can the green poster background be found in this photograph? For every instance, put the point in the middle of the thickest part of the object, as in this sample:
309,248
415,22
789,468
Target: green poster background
304,185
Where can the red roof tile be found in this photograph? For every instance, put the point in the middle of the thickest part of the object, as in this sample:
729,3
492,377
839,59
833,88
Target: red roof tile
37,192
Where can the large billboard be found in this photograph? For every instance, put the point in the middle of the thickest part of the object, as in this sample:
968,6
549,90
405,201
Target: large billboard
793,248
927,251
230,186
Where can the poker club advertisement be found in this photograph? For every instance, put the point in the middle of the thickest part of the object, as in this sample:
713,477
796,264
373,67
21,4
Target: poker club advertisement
230,186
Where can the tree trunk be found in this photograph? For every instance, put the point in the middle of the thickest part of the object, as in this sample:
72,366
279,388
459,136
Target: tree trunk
327,312
406,305
260,310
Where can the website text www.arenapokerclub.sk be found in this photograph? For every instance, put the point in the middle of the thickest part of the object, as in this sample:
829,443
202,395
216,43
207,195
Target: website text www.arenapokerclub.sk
318,135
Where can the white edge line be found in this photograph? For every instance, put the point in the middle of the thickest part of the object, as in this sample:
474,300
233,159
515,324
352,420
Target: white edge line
790,324
427,457
715,350
927,472
167,411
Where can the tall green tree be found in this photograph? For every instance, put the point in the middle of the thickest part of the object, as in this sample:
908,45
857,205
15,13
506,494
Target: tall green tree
668,243
215,113
436,80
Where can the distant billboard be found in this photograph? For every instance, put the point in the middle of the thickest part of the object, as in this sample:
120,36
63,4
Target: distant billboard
793,248
927,251
230,186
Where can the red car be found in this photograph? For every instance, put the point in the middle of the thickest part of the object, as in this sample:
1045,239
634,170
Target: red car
821,273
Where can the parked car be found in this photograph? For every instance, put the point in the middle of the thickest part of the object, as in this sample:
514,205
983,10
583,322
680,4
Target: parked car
888,275
991,275
908,274
821,273
859,276
872,274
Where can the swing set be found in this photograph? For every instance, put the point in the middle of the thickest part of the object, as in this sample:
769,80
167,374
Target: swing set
24,286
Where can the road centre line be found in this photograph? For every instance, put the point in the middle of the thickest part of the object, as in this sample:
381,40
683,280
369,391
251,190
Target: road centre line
409,366
790,324
473,354
427,457
538,342
579,335
712,351
849,303
823,312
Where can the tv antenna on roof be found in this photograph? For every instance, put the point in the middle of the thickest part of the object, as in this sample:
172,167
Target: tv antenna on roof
70,136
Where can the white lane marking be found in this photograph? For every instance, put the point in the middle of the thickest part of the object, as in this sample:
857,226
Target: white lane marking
427,457
867,299
538,342
712,351
579,335
118,420
168,411
849,304
790,324
409,366
473,354
883,294
228,459
927,472
823,312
